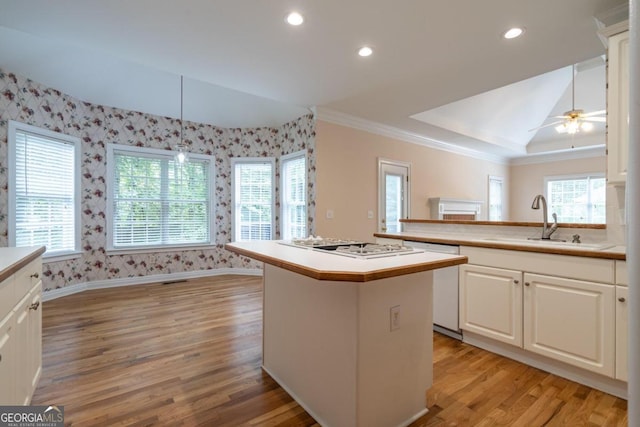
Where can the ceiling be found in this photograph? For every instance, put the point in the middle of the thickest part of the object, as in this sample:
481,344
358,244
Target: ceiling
441,73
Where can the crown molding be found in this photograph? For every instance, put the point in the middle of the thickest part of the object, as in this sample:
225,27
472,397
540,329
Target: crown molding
556,156
347,120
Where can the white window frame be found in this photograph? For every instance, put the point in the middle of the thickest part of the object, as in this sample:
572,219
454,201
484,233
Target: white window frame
46,133
569,177
234,210
284,222
500,179
163,154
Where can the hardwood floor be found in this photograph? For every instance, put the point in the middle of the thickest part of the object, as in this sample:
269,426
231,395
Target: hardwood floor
189,354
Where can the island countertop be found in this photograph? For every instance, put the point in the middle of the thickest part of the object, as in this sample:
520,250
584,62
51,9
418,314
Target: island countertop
327,266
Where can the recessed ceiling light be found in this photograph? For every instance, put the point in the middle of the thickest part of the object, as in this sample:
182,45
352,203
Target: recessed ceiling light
295,19
365,51
512,33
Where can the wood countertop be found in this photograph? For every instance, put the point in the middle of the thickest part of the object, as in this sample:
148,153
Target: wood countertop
612,252
327,266
13,259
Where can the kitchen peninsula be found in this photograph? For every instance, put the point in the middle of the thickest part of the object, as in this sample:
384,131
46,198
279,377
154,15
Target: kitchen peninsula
350,339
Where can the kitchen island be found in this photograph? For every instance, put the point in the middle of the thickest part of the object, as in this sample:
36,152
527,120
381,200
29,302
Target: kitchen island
349,339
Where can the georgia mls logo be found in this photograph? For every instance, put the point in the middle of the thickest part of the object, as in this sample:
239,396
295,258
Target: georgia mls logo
32,416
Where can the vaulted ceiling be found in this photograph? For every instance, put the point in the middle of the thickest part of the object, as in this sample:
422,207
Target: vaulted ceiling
440,70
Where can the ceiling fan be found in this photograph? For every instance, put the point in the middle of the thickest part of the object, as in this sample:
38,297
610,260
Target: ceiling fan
575,120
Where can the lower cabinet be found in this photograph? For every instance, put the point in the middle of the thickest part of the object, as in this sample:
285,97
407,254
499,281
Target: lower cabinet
570,320
622,330
491,302
21,336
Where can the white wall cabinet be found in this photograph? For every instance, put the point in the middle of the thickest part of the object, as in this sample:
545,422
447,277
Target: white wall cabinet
491,302
21,335
618,108
570,320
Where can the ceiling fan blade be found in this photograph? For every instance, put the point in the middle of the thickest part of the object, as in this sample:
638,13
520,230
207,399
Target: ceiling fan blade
595,119
547,125
594,113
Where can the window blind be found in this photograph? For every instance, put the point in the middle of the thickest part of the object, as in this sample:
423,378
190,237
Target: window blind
253,217
45,189
157,201
294,197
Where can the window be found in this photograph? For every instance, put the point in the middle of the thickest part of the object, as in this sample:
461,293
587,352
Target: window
155,201
495,197
577,199
293,192
44,188
253,198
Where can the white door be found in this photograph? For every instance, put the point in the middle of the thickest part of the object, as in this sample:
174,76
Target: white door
491,302
7,361
393,195
570,320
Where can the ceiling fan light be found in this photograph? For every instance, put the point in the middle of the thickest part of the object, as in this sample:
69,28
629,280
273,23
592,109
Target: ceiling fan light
586,126
561,128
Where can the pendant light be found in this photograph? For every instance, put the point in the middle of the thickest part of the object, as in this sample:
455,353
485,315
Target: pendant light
182,156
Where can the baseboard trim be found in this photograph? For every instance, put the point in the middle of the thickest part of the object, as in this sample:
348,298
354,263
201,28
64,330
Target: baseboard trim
143,280
561,369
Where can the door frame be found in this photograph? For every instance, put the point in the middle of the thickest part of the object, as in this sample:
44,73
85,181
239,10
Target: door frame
381,202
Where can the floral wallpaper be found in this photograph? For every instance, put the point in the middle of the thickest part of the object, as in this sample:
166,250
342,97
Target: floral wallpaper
29,102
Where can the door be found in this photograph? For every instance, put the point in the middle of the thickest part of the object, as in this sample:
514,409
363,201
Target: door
393,195
7,363
570,320
491,303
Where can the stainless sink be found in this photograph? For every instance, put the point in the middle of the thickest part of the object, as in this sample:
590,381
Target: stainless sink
550,243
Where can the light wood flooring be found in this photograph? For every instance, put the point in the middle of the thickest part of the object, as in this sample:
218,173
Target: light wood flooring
189,353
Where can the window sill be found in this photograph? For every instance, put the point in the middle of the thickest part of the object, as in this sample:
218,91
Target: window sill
131,251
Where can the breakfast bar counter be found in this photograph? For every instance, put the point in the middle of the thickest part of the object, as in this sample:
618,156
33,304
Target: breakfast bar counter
349,339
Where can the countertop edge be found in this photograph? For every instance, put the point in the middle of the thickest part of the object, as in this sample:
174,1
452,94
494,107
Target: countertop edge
13,268
347,276
509,246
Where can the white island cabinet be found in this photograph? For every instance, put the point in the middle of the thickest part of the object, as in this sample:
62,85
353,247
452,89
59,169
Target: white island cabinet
20,324
349,339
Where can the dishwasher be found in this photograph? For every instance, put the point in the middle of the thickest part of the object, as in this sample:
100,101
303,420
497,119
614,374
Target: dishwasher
445,291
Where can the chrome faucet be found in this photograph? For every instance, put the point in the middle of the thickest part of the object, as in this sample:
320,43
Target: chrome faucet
546,230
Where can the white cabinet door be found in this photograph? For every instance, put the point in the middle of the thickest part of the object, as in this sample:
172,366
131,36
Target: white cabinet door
22,344
622,330
491,302
34,350
570,320
618,108
7,361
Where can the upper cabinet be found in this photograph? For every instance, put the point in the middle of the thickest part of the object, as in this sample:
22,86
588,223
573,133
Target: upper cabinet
618,108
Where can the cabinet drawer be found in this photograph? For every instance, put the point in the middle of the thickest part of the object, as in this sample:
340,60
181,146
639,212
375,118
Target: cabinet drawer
27,278
7,296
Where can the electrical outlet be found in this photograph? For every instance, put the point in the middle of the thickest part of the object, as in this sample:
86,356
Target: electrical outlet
394,317
370,214
329,214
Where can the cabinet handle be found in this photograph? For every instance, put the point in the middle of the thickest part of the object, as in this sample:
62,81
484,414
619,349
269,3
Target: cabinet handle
516,281
34,306
35,275
621,299
527,283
